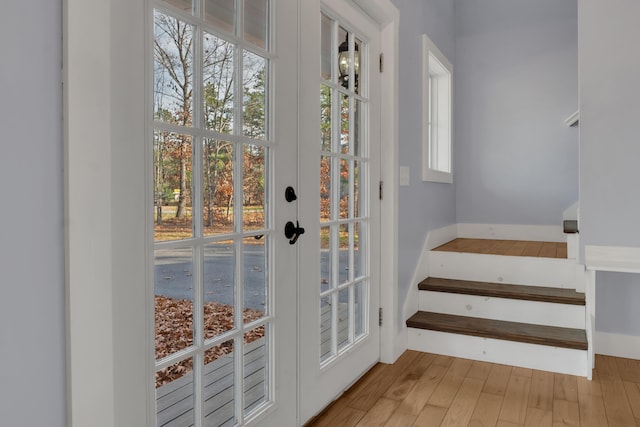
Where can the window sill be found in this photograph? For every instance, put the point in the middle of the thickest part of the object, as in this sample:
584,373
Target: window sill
433,175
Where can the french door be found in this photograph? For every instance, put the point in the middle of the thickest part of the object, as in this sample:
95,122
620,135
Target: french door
252,327
224,130
339,257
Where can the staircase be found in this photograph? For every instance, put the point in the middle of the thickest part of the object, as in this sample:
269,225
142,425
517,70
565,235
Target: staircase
504,302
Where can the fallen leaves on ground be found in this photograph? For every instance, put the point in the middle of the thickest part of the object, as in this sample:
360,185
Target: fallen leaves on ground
174,332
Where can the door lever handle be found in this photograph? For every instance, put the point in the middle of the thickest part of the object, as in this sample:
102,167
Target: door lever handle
293,231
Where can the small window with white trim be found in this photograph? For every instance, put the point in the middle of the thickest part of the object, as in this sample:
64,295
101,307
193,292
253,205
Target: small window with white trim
436,114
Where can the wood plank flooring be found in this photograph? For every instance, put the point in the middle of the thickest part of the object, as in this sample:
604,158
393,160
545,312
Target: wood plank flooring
428,390
506,247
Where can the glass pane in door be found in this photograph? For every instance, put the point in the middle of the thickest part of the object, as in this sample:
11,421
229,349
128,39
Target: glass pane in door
173,193
217,187
220,13
344,268
173,301
212,229
171,381
219,385
256,22
219,288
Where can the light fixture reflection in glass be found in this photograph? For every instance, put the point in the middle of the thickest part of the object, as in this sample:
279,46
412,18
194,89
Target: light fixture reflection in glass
344,64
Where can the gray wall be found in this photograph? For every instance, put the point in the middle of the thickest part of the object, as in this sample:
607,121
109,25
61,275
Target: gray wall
609,113
610,150
32,326
515,78
617,297
422,206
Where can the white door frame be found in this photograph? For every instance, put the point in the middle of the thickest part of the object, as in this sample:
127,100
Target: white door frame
392,343
105,252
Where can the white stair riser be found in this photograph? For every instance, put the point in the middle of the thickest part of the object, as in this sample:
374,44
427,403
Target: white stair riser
551,272
510,310
533,356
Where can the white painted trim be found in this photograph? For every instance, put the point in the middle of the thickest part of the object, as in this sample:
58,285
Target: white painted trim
590,315
533,356
541,233
580,278
573,120
433,239
440,236
618,345
381,11
105,257
573,246
410,305
87,175
617,259
612,258
392,345
421,271
429,49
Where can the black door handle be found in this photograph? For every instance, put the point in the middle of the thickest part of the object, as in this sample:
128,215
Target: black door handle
293,231
290,194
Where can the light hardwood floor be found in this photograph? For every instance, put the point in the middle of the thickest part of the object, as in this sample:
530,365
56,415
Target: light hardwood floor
423,389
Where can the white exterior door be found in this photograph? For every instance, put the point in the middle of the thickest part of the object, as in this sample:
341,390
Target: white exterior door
339,146
224,143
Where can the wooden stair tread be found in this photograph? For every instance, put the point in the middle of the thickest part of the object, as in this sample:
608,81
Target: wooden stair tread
503,290
521,248
511,331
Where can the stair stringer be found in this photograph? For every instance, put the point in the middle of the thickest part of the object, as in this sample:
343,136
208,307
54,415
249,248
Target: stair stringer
517,270
434,238
525,355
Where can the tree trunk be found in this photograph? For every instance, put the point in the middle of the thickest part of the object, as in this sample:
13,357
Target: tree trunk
182,199
158,183
210,190
229,199
159,213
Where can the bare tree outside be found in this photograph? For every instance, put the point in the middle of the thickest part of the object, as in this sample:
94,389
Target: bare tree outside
230,85
173,104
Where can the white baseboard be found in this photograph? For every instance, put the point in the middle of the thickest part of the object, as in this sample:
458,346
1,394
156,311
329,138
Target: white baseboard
401,342
440,236
541,233
618,345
